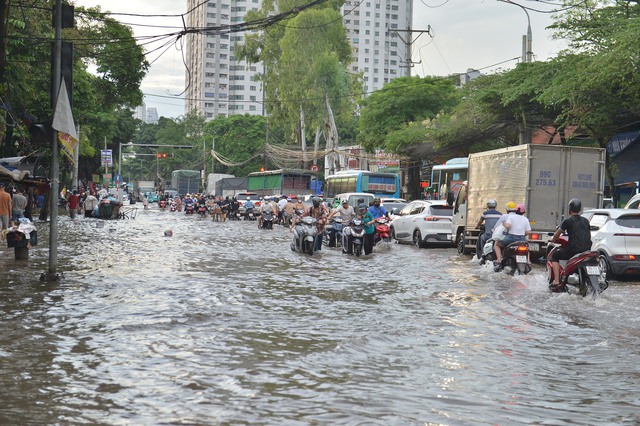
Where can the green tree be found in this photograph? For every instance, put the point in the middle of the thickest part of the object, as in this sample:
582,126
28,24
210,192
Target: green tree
392,118
306,79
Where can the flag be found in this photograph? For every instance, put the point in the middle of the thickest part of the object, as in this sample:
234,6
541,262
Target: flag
63,123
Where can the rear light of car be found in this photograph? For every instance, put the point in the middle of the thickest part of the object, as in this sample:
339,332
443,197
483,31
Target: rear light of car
433,219
624,257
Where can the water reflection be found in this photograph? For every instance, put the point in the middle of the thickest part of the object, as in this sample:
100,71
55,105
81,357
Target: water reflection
223,324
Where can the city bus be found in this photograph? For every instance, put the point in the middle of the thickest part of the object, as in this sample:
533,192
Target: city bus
377,183
448,177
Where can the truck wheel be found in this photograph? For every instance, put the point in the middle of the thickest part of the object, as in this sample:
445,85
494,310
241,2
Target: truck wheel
460,244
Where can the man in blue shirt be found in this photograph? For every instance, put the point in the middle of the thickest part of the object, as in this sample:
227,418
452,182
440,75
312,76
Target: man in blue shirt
490,217
377,210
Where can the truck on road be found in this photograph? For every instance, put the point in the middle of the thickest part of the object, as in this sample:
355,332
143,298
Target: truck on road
543,177
185,181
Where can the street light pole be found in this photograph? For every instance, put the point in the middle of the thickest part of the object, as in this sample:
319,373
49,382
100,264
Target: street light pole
527,49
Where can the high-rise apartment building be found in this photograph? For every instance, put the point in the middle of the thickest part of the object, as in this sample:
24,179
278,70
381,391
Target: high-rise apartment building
376,29
219,84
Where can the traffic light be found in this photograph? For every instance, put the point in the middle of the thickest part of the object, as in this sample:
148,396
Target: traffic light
163,155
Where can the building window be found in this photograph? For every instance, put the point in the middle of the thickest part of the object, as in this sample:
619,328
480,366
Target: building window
252,107
209,95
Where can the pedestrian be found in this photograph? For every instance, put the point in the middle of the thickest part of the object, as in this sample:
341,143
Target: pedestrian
90,203
369,228
5,209
73,203
19,204
145,202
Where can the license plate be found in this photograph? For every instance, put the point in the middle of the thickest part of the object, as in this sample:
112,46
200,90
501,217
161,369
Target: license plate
593,270
521,259
534,246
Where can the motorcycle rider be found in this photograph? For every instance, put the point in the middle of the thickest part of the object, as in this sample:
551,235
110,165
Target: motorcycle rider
578,230
346,213
377,210
267,205
283,202
248,205
518,228
320,213
490,217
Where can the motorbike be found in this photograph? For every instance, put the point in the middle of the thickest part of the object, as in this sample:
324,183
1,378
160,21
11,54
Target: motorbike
353,237
267,219
335,227
304,236
582,272
382,230
249,215
172,207
188,209
516,257
162,204
202,210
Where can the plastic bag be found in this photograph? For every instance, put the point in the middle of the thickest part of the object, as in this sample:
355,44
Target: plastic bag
499,232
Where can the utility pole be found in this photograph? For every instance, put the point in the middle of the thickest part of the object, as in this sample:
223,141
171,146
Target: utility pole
409,43
52,272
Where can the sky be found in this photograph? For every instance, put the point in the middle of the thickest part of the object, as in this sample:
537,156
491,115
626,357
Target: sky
464,34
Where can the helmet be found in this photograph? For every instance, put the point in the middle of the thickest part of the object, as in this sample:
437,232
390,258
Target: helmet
344,201
511,206
376,200
362,206
575,205
492,204
248,198
520,209
316,201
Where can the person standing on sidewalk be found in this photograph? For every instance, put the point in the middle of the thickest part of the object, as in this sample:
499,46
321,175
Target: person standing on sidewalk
5,209
73,201
19,204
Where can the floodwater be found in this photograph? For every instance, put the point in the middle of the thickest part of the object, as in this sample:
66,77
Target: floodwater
223,324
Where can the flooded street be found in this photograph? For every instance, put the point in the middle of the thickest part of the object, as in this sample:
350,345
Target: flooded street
223,324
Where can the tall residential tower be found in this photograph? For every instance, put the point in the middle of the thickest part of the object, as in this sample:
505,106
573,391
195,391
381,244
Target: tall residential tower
218,84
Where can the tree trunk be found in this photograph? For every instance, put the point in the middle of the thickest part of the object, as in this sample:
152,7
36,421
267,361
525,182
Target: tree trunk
303,139
331,136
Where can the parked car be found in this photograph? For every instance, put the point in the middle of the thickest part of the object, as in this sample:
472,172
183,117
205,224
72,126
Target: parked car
615,234
423,222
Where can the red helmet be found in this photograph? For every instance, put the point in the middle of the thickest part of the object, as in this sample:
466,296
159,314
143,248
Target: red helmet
520,209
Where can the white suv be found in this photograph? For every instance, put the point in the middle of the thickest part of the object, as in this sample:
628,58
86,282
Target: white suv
423,222
615,234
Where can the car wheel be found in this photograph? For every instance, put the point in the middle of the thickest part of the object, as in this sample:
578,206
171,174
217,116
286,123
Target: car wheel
604,266
392,233
417,239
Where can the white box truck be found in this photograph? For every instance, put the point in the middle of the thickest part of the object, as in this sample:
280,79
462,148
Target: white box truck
543,177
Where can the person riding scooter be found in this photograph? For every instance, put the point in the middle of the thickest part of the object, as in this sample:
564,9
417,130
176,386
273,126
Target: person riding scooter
490,217
346,213
248,207
578,230
378,210
517,226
